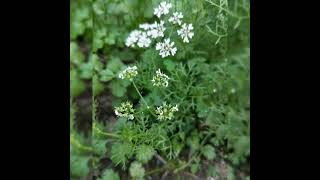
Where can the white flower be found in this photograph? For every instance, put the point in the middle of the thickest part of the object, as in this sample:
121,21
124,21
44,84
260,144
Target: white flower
165,112
144,41
163,8
128,73
133,38
156,29
214,90
145,26
175,19
166,48
125,110
186,32
160,79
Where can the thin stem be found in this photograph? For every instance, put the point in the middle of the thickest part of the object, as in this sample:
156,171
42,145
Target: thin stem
227,11
104,133
156,170
197,153
144,101
160,159
75,142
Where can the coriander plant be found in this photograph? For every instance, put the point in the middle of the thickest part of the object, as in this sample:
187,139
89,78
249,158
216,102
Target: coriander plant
160,89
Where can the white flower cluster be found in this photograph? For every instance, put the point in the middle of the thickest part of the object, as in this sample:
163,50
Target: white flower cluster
165,112
186,32
160,79
143,37
128,73
166,48
125,110
163,8
176,18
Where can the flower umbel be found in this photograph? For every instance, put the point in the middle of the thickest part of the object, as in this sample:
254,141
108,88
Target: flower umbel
166,48
165,112
128,73
156,30
125,110
163,8
176,18
133,38
145,26
144,41
160,79
186,32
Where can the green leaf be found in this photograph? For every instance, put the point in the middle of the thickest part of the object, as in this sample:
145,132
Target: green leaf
109,174
214,118
118,89
76,56
77,86
208,152
120,153
169,65
97,86
79,165
193,141
97,64
145,153
106,75
242,146
99,146
222,131
115,64
86,70
194,168
212,171
136,170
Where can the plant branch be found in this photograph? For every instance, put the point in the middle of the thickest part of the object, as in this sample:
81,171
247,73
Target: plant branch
144,101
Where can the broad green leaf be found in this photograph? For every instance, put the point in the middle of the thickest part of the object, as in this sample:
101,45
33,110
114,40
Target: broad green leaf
106,75
109,174
145,153
136,170
208,152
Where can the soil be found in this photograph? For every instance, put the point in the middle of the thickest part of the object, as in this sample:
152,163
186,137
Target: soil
84,112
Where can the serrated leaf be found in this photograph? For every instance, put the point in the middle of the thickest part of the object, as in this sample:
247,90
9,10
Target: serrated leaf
99,146
77,86
97,64
109,174
144,153
117,88
214,117
193,142
194,168
115,64
106,75
169,64
242,146
208,152
79,165
136,170
120,153
86,70
222,131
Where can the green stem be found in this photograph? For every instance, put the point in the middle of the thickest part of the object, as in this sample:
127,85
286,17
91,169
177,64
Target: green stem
227,11
144,101
156,170
104,133
76,143
197,153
